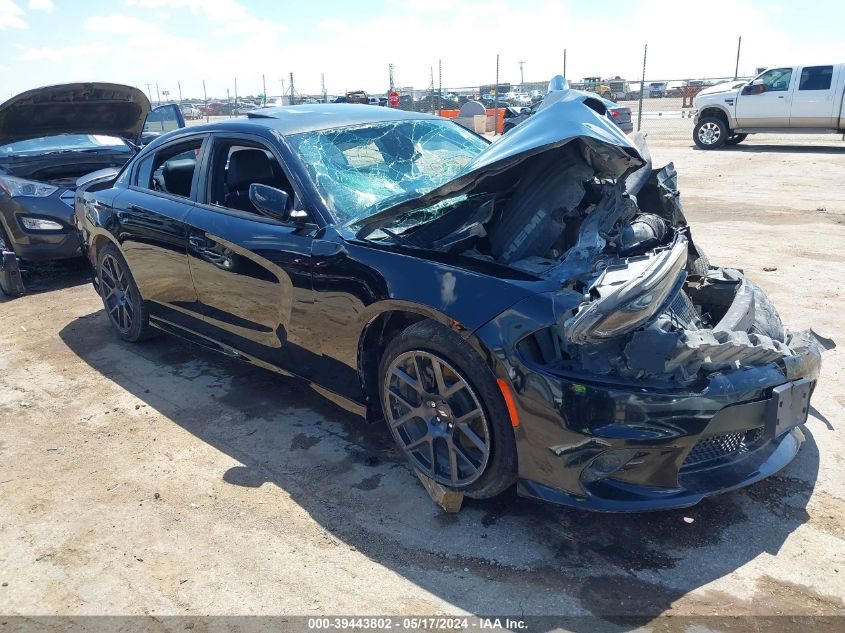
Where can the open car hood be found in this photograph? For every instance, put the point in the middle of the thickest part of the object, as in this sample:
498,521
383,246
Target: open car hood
77,108
565,116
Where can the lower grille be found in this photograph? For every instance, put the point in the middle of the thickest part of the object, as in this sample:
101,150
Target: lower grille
719,446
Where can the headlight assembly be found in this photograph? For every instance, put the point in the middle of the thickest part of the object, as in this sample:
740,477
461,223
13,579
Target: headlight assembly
628,295
20,187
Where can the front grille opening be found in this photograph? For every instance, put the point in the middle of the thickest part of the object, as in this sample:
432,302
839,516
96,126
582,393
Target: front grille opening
720,446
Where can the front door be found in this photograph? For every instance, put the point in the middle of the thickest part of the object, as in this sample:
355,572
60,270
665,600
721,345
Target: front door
765,102
813,101
252,273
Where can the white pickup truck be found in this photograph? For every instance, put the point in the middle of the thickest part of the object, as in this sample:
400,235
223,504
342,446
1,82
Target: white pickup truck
781,99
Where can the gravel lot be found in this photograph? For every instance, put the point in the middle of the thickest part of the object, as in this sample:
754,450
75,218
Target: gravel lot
162,479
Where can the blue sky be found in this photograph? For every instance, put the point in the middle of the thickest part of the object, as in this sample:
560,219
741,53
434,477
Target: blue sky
173,42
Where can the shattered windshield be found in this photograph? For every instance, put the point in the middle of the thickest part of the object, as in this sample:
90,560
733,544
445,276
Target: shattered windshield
364,169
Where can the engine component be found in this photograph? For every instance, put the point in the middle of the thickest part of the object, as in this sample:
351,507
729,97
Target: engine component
644,232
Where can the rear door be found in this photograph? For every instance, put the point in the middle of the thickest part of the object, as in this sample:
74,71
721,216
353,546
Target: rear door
252,273
152,231
813,104
765,102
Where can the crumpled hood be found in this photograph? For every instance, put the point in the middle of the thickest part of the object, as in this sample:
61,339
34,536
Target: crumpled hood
565,116
78,108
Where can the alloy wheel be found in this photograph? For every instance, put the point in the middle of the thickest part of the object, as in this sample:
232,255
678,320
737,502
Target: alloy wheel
709,133
437,418
117,293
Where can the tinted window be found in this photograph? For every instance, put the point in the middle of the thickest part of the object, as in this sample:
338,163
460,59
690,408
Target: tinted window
171,169
161,120
816,78
776,79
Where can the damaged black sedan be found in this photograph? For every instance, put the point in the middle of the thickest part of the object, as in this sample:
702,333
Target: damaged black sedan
531,311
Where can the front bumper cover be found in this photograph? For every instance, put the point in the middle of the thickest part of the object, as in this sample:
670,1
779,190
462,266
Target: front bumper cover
613,444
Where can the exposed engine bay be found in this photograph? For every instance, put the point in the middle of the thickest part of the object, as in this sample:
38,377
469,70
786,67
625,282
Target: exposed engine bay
638,298
65,172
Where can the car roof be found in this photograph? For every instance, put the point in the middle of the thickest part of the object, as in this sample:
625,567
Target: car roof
289,120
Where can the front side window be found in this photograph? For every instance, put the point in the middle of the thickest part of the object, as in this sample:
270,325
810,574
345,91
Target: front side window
364,169
235,166
776,79
816,78
171,169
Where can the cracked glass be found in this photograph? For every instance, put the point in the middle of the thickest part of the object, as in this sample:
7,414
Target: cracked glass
364,169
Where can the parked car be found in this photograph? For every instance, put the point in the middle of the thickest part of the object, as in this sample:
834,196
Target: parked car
49,139
584,348
620,115
357,96
244,108
212,109
657,89
190,112
784,99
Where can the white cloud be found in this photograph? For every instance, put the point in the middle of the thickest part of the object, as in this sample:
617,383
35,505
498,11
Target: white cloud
41,5
333,25
118,23
46,53
11,16
217,10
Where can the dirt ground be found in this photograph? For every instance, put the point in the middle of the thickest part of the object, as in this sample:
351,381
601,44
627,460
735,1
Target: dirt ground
162,479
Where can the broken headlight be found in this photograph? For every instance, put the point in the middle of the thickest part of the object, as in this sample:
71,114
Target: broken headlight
626,296
20,187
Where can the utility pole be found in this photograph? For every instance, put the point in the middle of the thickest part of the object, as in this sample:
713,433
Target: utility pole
205,99
149,94
496,100
392,78
738,47
439,85
179,85
521,74
236,89
642,90
323,87
282,82
564,63
158,95
264,89
291,88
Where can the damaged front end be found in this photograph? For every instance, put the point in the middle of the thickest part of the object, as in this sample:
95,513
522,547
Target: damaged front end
645,376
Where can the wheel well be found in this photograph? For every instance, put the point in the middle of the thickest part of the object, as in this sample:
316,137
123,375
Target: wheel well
97,244
717,113
378,333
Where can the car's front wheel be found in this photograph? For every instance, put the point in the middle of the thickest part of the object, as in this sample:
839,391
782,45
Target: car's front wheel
710,133
446,412
120,295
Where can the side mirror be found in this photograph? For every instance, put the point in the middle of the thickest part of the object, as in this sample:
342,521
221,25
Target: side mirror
754,88
270,201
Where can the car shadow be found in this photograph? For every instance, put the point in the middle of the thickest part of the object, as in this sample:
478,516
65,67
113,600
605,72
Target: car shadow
506,554
52,275
750,146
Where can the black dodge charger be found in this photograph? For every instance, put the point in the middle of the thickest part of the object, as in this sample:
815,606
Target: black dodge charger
532,311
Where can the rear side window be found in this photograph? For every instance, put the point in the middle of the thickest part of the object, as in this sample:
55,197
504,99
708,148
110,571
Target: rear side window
816,78
170,170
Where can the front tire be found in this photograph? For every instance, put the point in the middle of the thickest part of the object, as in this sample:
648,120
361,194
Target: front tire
710,133
121,298
446,412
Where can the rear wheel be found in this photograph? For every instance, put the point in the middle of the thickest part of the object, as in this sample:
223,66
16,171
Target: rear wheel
446,412
710,133
121,298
